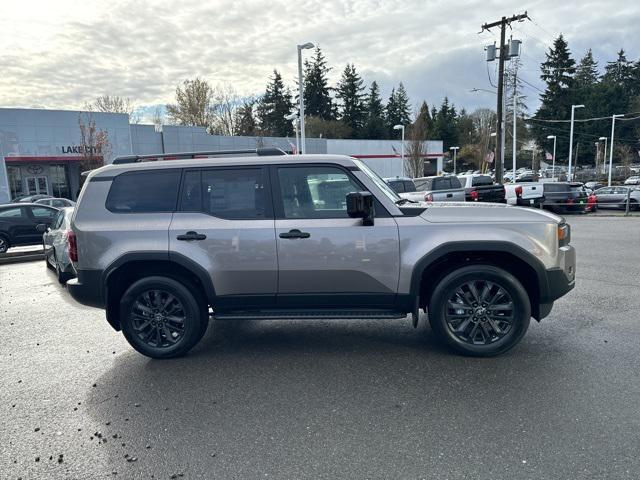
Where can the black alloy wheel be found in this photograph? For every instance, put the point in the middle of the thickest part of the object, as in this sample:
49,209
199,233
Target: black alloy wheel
480,310
162,317
4,244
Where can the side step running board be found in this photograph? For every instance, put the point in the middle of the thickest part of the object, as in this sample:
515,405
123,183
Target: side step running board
309,315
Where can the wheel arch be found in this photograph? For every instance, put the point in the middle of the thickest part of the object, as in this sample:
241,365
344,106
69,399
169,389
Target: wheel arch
131,267
523,265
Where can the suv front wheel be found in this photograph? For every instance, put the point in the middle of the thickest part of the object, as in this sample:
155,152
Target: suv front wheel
480,310
161,318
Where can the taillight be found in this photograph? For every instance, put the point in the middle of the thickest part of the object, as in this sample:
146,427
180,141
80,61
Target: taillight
428,197
519,191
73,246
474,195
570,201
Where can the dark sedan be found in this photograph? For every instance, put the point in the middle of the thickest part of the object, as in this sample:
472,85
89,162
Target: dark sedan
18,222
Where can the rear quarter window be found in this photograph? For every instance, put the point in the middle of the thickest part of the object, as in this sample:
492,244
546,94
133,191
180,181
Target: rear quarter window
481,180
150,191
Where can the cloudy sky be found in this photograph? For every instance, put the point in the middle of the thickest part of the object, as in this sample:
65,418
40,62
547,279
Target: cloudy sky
61,53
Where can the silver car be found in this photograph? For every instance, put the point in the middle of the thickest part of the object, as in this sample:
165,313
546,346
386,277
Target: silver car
55,240
616,197
56,202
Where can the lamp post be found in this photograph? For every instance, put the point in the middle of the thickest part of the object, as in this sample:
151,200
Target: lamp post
613,126
455,151
604,152
515,115
304,46
553,165
573,113
401,127
295,118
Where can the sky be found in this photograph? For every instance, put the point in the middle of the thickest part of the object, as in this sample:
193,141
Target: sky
60,54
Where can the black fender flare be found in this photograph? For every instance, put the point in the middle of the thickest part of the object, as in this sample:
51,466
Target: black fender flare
480,246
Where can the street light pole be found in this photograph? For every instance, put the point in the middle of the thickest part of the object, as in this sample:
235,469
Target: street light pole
304,46
613,126
573,112
455,151
604,152
553,166
401,127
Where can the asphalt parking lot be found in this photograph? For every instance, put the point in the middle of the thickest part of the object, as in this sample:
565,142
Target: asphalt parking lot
348,399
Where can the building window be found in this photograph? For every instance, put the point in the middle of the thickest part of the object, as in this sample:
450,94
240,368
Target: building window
59,181
15,181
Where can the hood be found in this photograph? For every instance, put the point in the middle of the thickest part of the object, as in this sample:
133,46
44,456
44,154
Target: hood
455,212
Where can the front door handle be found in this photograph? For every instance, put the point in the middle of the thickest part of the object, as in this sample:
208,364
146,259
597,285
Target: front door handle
295,233
449,195
192,236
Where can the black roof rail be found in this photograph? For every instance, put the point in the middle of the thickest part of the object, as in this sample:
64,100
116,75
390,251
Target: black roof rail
261,152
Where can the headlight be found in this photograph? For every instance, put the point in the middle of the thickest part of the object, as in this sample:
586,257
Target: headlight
564,234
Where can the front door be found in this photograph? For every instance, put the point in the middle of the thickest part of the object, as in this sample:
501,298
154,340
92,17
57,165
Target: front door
326,258
225,224
37,185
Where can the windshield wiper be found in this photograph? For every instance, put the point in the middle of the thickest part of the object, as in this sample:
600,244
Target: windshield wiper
402,201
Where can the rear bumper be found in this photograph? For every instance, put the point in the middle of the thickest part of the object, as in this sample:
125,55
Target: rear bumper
530,202
87,288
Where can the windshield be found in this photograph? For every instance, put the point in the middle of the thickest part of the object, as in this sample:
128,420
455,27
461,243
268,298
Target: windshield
380,183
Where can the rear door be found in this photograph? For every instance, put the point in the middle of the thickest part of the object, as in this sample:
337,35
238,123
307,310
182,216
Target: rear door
326,258
224,223
16,223
39,214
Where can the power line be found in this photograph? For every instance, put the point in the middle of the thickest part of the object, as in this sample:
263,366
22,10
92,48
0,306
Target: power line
582,120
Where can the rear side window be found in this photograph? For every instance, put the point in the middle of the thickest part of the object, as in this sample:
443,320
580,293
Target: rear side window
397,186
455,183
11,213
481,180
556,187
151,191
234,193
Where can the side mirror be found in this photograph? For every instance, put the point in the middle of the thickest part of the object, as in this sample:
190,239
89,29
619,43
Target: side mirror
360,205
42,227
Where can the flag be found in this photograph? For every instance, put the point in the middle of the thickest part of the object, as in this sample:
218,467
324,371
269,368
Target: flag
548,156
294,149
489,156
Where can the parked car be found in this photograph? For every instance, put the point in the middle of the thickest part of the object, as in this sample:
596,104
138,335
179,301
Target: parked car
616,197
55,241
564,197
436,189
18,223
401,184
160,243
524,194
593,186
30,198
481,188
56,202
633,180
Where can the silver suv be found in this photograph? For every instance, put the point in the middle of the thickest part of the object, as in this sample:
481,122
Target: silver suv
163,246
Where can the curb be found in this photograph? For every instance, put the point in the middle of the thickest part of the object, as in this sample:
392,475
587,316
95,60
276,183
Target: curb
21,258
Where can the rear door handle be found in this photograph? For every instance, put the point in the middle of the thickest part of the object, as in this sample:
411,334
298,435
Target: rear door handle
449,195
192,236
295,233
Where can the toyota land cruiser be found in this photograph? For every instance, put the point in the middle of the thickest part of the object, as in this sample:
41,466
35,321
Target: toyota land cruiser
165,245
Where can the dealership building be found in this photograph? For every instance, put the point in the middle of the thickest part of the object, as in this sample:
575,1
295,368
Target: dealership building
44,151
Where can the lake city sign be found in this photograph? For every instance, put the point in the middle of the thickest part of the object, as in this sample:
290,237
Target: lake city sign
82,149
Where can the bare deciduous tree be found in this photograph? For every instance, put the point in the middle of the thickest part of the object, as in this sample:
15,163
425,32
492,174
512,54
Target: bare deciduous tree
94,144
193,104
113,104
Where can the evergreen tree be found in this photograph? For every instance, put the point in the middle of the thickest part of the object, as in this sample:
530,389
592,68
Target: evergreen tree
391,114
398,109
557,71
424,119
374,128
350,92
245,120
620,72
445,125
274,106
587,71
317,98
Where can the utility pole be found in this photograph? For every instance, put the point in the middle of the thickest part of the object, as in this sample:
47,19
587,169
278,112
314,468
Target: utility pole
503,52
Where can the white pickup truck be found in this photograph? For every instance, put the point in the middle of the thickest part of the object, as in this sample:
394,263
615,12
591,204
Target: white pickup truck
524,194
429,189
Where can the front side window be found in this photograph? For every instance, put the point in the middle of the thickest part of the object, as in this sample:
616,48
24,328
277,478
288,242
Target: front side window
315,192
234,193
150,191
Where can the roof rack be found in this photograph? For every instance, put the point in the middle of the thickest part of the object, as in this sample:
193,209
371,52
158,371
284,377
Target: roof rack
261,152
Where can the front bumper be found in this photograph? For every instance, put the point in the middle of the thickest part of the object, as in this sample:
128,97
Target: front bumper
87,288
559,281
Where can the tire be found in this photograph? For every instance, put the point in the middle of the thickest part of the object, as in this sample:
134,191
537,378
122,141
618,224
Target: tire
4,244
62,275
47,259
479,336
147,301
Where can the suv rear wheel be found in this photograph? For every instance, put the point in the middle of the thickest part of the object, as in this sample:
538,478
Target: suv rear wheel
4,244
161,317
480,310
